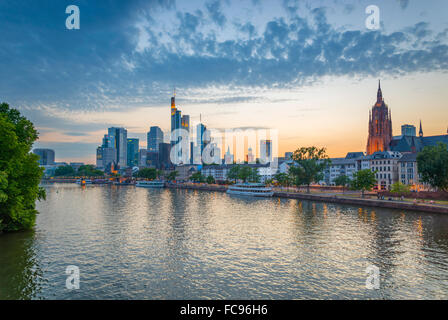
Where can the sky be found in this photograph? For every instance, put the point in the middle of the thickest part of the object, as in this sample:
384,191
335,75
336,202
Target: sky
308,69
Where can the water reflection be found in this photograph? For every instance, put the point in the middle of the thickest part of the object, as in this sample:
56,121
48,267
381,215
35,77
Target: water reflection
136,243
21,276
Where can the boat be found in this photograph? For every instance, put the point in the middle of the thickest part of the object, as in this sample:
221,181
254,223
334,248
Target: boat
124,183
150,184
83,182
250,189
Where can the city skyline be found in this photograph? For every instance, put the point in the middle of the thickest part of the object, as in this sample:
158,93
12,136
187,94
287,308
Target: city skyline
309,69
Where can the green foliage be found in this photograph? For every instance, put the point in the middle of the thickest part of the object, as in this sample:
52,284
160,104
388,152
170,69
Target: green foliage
342,180
172,175
210,180
64,171
309,164
20,173
363,180
3,186
432,165
244,173
147,173
197,177
283,179
398,187
253,175
233,173
89,170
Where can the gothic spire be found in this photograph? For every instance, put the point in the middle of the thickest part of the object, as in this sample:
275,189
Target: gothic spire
379,95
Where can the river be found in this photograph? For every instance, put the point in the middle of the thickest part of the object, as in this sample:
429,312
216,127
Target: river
136,243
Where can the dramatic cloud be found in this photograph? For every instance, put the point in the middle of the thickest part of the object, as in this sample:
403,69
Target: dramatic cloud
132,53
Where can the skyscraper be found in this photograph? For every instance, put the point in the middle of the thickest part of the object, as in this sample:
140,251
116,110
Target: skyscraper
265,151
164,156
46,156
118,140
106,154
154,138
380,125
178,122
132,152
228,157
200,136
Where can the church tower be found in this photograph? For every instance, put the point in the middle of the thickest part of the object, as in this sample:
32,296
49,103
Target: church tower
380,125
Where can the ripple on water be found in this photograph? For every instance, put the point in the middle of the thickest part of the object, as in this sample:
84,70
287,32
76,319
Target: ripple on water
135,243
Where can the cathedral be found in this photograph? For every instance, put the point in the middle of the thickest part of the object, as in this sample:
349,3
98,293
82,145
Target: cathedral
380,126
380,132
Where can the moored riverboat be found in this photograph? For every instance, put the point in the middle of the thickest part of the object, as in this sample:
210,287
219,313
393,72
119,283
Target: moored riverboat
150,184
250,189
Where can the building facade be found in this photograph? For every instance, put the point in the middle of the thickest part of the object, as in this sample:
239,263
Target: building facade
380,126
118,139
154,138
132,152
46,156
385,166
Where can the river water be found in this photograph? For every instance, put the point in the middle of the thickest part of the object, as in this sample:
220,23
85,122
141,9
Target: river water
136,243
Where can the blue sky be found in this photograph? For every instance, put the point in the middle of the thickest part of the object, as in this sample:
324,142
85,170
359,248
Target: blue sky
224,58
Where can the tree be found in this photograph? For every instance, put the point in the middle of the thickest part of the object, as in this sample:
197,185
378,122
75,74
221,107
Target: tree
233,173
64,171
245,173
364,180
432,163
147,173
210,180
254,176
197,177
283,179
89,170
172,175
3,186
20,173
399,187
343,181
308,167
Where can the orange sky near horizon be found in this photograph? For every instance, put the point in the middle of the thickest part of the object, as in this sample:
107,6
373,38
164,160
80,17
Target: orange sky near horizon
331,113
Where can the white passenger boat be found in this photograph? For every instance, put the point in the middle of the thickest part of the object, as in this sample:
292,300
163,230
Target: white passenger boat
250,189
150,184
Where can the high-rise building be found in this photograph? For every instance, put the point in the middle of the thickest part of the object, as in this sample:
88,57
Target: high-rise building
250,156
228,157
164,156
118,140
200,136
265,151
181,148
185,122
380,126
132,152
408,130
46,156
106,154
154,138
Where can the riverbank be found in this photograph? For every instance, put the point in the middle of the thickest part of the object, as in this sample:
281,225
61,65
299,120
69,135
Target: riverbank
336,198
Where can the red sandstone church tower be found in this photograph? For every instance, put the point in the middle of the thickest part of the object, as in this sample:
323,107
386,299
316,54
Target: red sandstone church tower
380,125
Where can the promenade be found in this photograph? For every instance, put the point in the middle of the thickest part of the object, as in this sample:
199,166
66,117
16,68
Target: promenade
349,198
